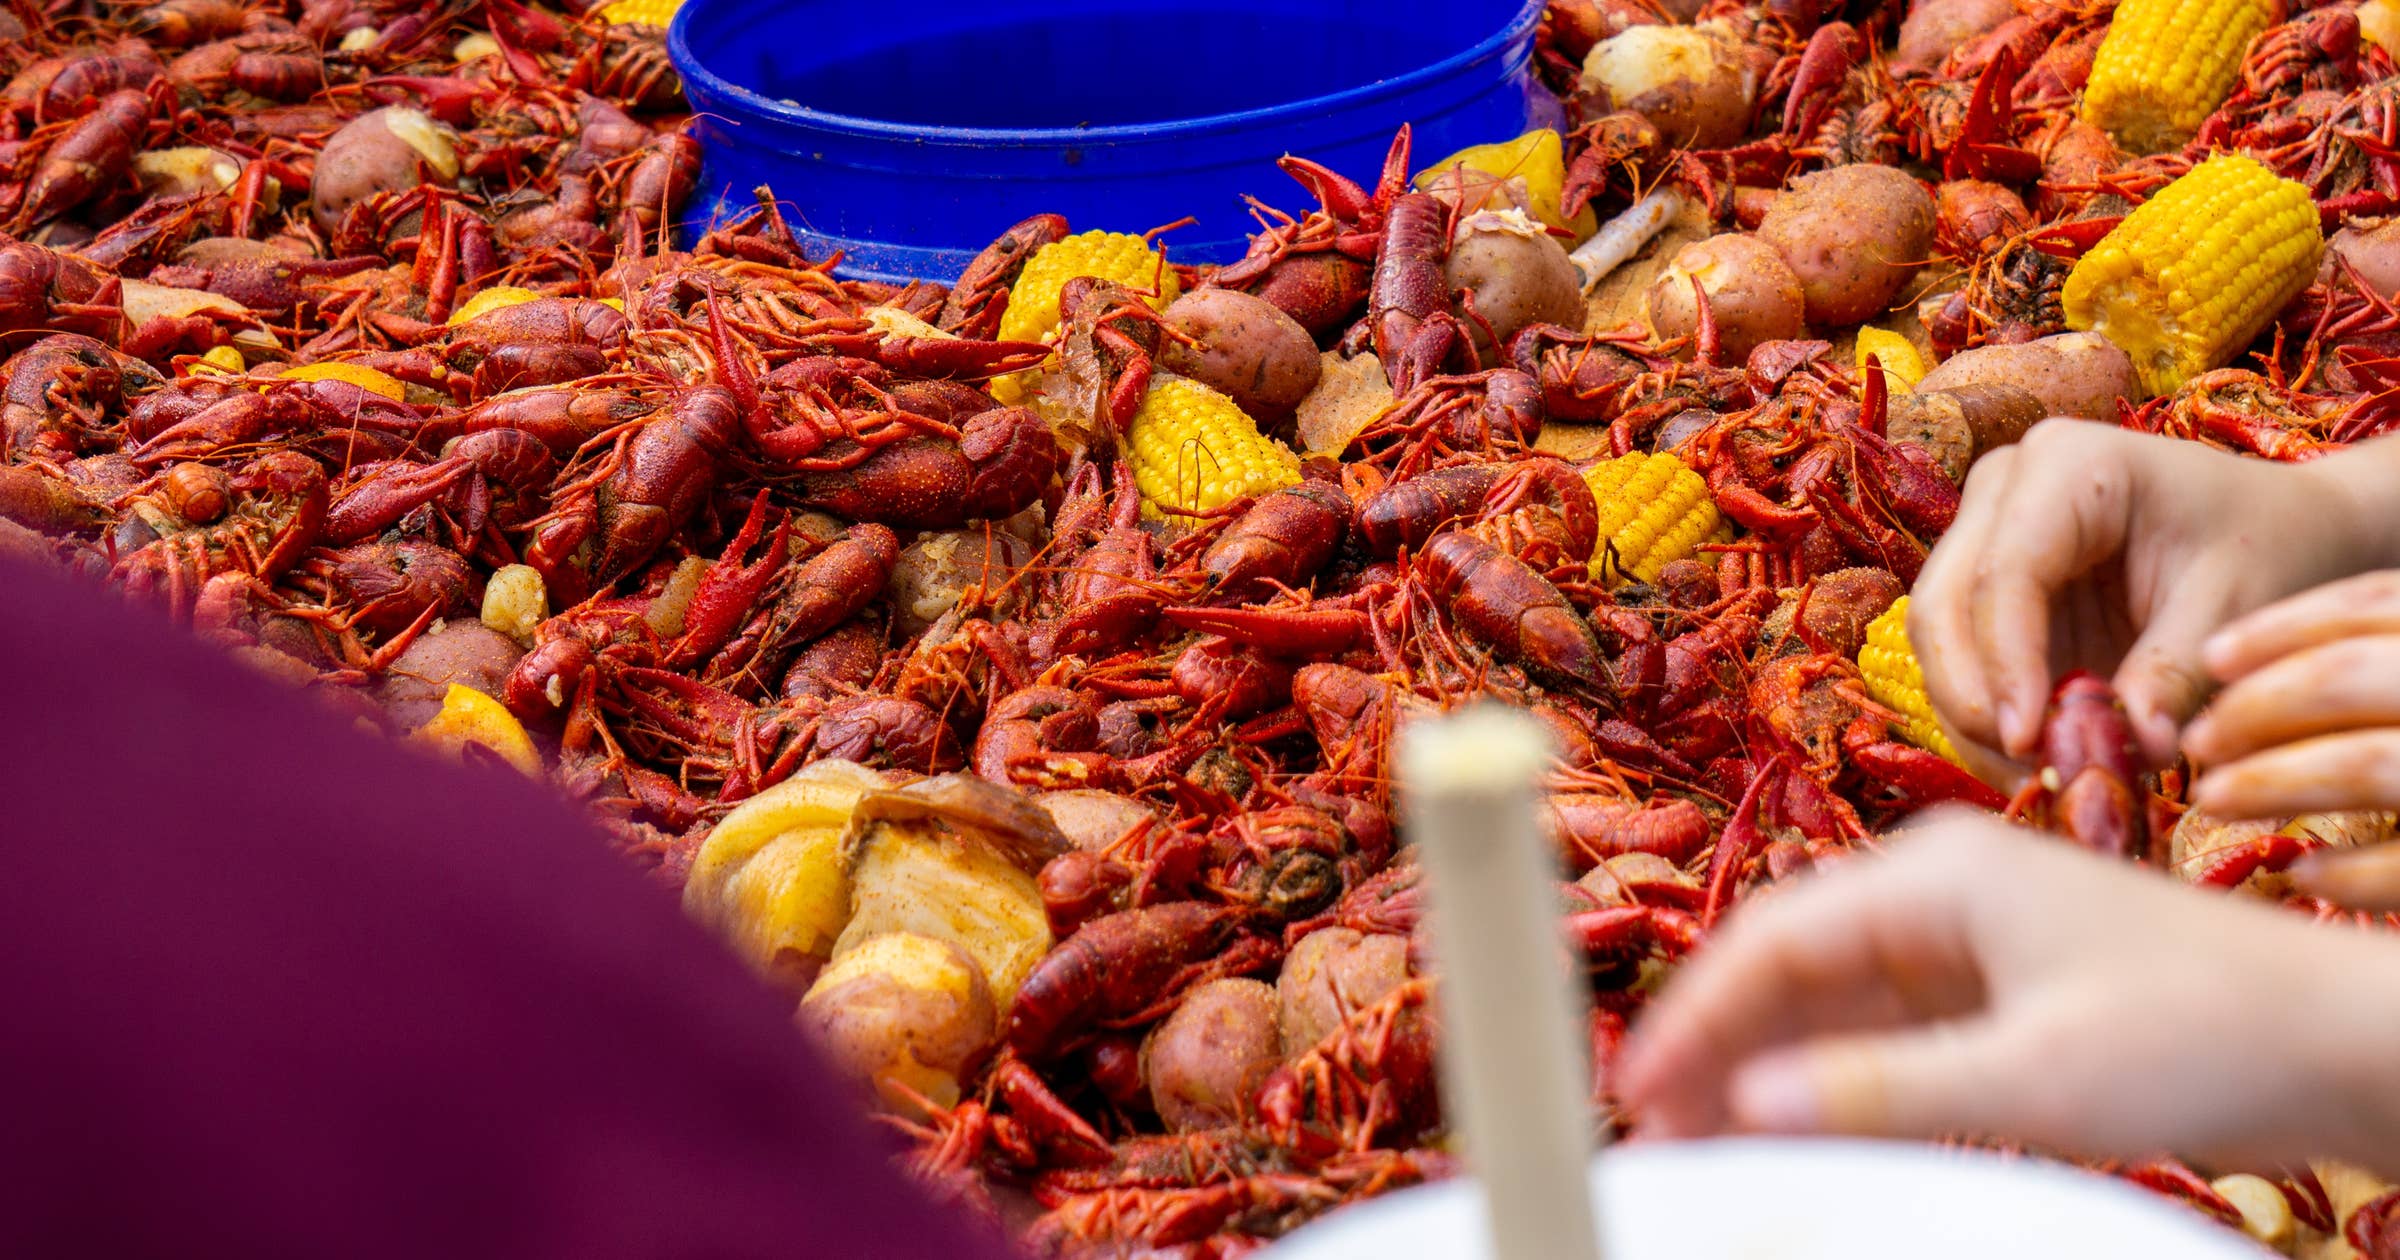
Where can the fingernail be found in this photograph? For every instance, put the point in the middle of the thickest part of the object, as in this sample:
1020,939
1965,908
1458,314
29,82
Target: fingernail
1777,1096
2012,728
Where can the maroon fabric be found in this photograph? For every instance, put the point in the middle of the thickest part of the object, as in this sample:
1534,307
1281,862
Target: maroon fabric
272,987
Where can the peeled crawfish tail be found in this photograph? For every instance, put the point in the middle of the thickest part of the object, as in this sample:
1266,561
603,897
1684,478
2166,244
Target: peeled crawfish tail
2092,769
1502,603
1124,969
1282,540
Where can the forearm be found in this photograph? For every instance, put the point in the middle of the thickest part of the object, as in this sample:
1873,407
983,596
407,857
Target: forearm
2355,1035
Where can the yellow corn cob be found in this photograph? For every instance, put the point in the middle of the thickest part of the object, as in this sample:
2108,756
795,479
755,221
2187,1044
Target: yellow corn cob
1902,366
1033,301
1653,512
639,12
2196,272
1895,681
2165,65
1194,450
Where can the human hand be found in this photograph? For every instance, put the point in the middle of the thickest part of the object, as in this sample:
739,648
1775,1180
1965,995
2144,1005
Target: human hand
1982,980
2309,720
2086,546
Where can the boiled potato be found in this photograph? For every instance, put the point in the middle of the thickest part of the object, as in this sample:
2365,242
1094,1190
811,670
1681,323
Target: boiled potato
1934,27
1516,274
903,1013
1208,1058
1248,350
769,877
2373,252
468,653
1853,235
1330,973
1093,820
957,859
2082,375
1694,83
383,150
1752,295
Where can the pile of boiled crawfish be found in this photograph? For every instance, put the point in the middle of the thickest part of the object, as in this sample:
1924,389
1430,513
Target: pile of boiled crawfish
776,525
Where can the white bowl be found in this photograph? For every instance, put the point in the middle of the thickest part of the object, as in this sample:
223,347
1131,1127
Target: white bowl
1816,1199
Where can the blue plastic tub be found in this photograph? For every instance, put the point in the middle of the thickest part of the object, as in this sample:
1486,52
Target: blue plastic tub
909,135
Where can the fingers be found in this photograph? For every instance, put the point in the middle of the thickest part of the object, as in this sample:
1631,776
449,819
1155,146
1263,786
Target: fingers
2345,685
2162,680
2363,605
1918,1083
2355,770
1941,608
1878,942
2019,573
2360,879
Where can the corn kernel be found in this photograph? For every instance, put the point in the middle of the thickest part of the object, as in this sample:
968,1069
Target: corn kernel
1653,511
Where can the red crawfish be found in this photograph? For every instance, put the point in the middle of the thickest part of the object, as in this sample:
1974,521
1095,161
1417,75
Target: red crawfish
1129,968
2090,787
279,506
92,158
1318,269
1282,540
1501,602
1370,1081
980,297
1408,309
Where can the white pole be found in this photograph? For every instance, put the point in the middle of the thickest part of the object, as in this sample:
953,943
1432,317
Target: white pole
1515,1079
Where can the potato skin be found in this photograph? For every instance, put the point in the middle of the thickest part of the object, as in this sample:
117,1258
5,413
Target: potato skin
1934,27
1331,972
1211,1055
2070,374
1752,294
468,653
2373,251
1250,351
367,156
902,1008
1853,235
1693,83
1518,278
933,571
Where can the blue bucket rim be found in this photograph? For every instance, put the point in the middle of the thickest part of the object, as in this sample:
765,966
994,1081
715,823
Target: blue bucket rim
1528,16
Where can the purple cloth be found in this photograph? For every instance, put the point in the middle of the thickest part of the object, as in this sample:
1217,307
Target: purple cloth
275,987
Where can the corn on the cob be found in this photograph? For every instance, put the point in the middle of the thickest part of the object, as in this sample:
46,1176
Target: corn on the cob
2165,65
365,378
2193,274
1033,301
1194,450
639,12
1653,512
1897,682
1903,367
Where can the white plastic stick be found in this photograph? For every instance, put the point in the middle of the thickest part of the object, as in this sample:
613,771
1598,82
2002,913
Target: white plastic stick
1622,237
1515,1082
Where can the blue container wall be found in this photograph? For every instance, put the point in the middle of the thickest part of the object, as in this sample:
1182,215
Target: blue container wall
1094,90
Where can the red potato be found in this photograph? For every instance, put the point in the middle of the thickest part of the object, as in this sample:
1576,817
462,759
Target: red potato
1332,972
1209,1057
1962,424
1249,351
1752,295
384,150
2373,252
1853,235
1695,83
1934,27
1514,274
2082,374
467,652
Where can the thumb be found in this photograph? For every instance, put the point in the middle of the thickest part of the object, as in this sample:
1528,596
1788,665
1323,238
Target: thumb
1917,1083
2162,679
